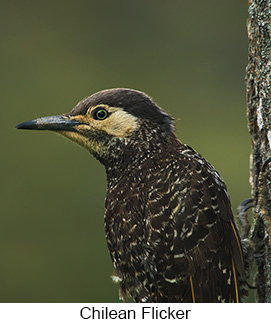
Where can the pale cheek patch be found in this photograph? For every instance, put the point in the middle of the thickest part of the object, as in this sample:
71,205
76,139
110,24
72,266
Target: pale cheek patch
118,124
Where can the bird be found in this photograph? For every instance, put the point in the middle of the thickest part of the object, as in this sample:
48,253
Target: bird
168,219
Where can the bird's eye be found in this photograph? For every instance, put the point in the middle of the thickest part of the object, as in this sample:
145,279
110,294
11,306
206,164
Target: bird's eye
100,113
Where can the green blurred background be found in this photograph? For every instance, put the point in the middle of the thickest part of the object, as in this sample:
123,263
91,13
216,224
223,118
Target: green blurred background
190,56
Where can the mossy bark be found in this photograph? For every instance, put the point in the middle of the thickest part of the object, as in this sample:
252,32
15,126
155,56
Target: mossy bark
258,79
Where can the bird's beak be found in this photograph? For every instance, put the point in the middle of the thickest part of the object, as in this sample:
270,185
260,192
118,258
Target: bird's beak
54,123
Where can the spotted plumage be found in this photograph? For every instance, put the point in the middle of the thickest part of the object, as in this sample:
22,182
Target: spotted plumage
168,219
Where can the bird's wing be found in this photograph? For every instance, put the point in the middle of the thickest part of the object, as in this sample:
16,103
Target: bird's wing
192,245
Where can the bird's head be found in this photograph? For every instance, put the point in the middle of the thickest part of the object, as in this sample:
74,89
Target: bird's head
108,119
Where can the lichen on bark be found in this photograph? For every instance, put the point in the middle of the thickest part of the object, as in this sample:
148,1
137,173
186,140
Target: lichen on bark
258,80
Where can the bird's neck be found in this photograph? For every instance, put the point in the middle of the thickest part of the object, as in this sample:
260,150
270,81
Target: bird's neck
130,156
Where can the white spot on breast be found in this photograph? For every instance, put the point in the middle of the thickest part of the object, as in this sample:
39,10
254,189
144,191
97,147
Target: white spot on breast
172,281
179,255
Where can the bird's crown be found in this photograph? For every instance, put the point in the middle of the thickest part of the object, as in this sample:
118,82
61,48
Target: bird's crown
134,102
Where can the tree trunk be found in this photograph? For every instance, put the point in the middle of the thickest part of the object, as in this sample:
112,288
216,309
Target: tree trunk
258,80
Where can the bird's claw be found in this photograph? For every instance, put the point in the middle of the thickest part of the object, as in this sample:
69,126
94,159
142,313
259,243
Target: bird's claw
243,217
244,206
